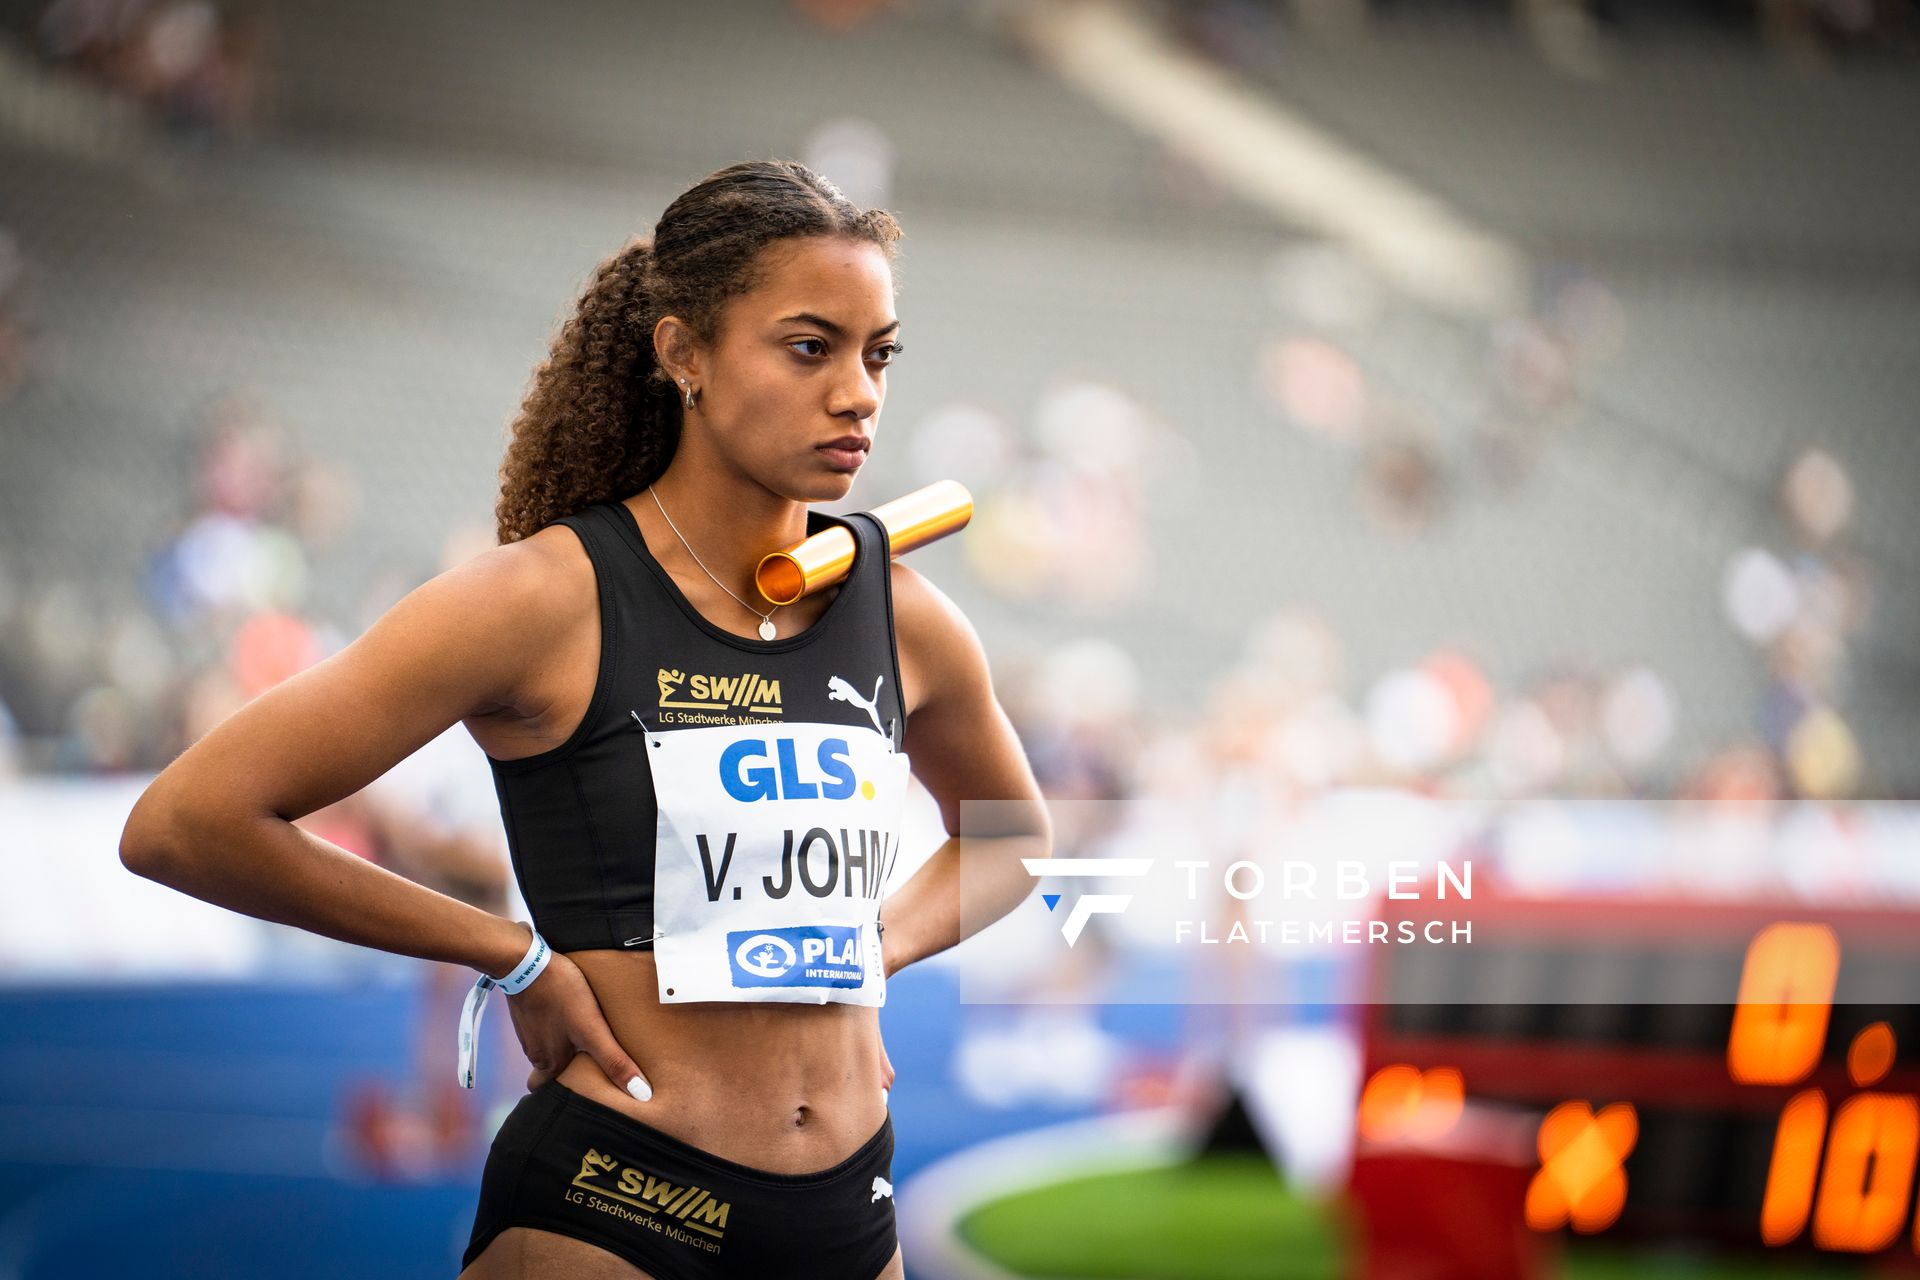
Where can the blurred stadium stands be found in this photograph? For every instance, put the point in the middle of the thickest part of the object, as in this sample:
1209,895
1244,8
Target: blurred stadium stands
376,260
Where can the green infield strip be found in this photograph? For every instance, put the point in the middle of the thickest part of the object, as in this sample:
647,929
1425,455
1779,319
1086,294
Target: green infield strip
1221,1218
1231,1218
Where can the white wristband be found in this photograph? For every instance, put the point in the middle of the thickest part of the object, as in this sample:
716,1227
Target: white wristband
531,966
516,981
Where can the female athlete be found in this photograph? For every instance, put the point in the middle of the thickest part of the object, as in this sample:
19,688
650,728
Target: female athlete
702,796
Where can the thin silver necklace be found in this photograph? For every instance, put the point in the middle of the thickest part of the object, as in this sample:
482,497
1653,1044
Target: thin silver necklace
767,631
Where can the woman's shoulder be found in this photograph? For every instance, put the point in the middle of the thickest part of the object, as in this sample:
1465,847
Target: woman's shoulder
939,648
527,588
532,562
503,615
921,609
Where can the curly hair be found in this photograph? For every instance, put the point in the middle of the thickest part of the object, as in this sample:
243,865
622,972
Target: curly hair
601,419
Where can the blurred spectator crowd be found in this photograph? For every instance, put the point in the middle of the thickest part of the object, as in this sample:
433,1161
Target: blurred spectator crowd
192,65
1061,518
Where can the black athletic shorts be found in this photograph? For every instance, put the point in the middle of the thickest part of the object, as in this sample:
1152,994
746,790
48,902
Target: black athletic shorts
567,1164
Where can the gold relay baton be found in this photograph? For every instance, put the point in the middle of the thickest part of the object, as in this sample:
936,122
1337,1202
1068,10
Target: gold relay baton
912,520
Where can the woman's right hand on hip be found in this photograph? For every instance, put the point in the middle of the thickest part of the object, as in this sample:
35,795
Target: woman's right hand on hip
558,1016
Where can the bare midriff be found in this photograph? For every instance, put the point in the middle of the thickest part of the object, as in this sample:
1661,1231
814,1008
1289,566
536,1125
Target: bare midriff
783,1088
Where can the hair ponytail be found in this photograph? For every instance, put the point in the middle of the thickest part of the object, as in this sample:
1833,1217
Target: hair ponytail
600,420
591,427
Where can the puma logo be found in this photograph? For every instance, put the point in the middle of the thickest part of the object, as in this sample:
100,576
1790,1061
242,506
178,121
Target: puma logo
840,691
881,1187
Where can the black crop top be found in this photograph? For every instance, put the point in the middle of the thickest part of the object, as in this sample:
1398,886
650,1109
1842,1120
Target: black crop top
581,818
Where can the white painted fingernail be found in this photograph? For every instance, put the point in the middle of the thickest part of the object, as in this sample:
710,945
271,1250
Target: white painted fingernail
883,1097
640,1089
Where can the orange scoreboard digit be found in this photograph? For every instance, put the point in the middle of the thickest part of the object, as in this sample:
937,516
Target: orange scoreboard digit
1742,1075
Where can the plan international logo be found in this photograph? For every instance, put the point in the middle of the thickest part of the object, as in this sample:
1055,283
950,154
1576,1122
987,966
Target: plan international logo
1086,905
746,691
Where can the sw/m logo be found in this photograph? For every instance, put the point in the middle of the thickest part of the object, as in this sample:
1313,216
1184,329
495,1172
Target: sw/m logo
744,692
674,1208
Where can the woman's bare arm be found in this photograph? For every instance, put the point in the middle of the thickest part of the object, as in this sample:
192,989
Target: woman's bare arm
963,749
218,823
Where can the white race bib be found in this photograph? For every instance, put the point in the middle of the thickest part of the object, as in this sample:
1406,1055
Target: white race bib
773,848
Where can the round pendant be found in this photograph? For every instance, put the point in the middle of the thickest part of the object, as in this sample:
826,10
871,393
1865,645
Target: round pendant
766,629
